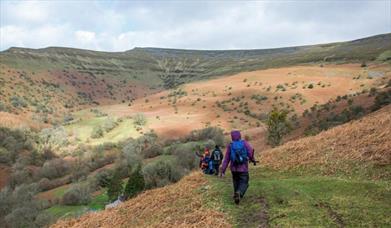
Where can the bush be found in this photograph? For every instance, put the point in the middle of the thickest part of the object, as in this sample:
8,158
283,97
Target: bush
77,194
139,119
21,217
109,124
44,184
103,177
20,176
382,99
152,151
214,133
185,155
13,142
161,173
19,208
135,183
97,132
80,170
54,137
54,168
310,86
18,102
5,156
114,188
278,126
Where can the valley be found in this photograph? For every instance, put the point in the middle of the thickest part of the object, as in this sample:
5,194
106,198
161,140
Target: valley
74,123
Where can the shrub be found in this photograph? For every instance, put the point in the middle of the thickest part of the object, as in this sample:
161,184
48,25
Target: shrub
14,142
278,126
214,133
185,155
382,99
210,144
54,168
135,183
18,102
161,173
109,124
44,184
139,119
21,217
19,208
18,177
310,86
372,91
5,156
80,170
152,151
54,137
103,178
114,188
77,194
68,118
97,132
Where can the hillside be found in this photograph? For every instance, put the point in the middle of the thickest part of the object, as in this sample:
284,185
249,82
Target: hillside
361,145
41,83
177,205
276,198
243,100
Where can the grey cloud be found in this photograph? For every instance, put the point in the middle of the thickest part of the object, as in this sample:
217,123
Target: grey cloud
122,25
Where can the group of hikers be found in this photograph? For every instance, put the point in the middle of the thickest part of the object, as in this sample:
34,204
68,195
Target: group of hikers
238,154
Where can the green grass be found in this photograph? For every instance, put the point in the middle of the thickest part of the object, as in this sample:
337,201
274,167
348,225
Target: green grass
83,129
305,200
60,191
97,203
59,211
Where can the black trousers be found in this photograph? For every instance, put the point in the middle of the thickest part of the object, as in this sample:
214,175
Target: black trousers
216,167
240,181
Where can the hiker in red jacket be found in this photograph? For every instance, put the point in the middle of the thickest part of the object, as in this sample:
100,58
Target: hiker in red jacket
239,152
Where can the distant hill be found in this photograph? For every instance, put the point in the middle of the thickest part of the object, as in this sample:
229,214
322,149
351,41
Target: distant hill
170,67
41,83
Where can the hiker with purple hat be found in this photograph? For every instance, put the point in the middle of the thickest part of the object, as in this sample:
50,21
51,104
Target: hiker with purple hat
239,152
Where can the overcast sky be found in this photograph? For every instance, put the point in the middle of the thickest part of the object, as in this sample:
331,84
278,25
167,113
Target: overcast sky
123,25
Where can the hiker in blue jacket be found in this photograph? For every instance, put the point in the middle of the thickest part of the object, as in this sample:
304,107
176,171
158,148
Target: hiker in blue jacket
239,152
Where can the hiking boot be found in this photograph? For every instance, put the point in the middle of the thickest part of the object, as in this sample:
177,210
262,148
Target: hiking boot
237,197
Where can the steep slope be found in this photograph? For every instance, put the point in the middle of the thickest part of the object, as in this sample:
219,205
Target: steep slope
363,144
177,205
279,198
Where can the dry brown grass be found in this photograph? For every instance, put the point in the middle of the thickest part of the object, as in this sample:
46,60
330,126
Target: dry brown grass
177,205
365,141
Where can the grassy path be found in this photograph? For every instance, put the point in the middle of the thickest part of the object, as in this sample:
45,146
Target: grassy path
281,199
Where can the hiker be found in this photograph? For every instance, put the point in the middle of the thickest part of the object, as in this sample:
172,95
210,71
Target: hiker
239,152
206,164
217,158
